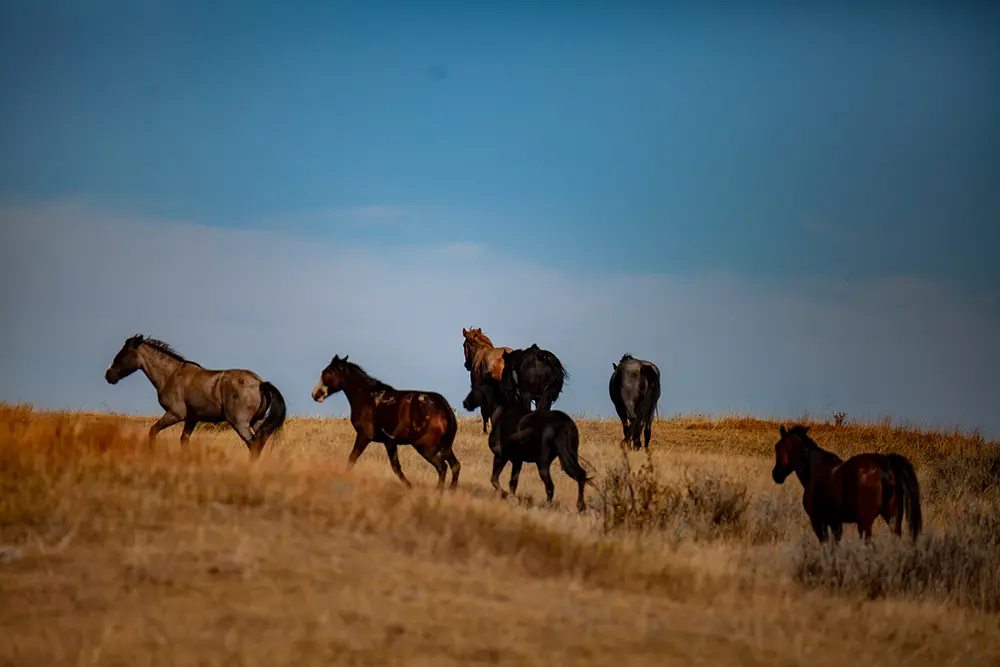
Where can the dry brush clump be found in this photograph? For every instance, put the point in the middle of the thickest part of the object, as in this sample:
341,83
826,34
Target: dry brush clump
704,505
959,563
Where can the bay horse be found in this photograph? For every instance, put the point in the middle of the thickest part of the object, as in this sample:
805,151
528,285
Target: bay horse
381,413
532,374
483,361
635,390
857,491
520,434
191,394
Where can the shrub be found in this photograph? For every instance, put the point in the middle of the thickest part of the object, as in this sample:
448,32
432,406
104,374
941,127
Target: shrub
703,506
960,564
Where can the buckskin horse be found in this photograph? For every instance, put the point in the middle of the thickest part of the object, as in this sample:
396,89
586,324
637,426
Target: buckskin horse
532,374
381,413
520,434
483,361
635,389
191,394
858,490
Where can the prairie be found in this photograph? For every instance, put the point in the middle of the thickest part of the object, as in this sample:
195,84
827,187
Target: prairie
115,554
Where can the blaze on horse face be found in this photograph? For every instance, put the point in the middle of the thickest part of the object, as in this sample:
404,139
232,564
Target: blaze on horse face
787,454
125,362
330,380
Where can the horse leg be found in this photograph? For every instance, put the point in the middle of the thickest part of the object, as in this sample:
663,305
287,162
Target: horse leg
391,450
498,464
167,420
550,487
243,430
434,457
189,425
515,476
456,467
819,528
838,531
647,432
360,442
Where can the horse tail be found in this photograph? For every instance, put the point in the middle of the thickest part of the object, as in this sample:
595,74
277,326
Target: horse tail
274,418
450,429
554,386
908,489
646,409
567,442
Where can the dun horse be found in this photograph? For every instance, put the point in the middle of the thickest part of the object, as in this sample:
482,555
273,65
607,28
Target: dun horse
191,394
532,374
858,490
381,413
483,361
635,391
538,437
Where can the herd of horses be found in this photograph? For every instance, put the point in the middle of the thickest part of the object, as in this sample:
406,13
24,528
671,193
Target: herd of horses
504,383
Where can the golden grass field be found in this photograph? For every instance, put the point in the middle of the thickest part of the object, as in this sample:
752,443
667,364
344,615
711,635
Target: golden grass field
112,554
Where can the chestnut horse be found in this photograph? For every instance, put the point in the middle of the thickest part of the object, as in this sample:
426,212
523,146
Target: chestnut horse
381,413
857,491
483,361
189,393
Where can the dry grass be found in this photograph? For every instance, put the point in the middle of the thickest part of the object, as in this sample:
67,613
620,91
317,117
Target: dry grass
114,554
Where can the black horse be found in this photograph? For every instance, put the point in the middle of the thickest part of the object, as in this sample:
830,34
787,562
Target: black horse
519,434
532,374
635,390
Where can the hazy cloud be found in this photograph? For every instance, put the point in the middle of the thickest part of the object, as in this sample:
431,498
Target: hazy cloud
78,281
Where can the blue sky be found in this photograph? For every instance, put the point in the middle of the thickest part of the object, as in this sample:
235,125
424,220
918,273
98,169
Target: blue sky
822,177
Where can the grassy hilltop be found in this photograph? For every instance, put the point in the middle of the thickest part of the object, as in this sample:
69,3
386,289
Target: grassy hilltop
111,554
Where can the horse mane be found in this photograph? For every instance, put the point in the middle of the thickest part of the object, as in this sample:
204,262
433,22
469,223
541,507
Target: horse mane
163,347
373,382
627,355
480,336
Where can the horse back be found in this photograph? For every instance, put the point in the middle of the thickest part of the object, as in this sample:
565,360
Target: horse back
408,415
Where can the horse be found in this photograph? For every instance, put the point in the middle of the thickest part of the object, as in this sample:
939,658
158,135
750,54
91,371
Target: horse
635,390
381,413
532,374
483,361
191,394
854,491
520,434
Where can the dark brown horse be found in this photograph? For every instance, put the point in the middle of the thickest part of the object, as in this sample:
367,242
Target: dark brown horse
635,389
191,394
857,491
483,361
393,417
540,437
532,374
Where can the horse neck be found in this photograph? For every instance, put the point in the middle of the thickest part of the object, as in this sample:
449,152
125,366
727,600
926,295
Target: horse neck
359,388
157,365
814,457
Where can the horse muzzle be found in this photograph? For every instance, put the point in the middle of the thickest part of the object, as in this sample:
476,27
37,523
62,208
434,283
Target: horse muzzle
320,392
111,377
778,475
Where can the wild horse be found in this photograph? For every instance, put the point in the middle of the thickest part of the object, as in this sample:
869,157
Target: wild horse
381,413
858,490
635,390
483,361
520,434
191,394
532,374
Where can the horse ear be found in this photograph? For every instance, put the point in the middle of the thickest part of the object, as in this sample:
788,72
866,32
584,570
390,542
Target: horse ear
465,331
345,358
805,429
781,429
614,365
